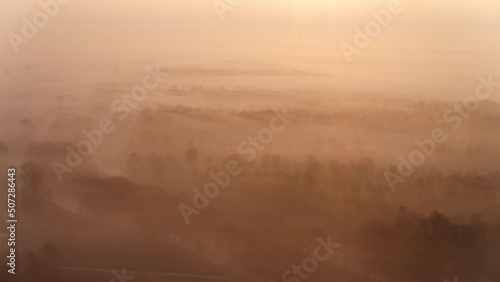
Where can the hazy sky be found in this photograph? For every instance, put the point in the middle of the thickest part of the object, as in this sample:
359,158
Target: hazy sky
433,45
191,19
196,11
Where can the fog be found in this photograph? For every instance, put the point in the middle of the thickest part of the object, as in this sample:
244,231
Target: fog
174,142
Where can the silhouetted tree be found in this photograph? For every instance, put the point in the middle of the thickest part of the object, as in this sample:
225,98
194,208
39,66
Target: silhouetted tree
31,177
192,156
26,123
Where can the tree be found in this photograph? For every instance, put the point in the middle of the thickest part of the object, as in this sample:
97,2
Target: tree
135,167
32,177
439,225
192,155
43,266
26,123
276,161
49,252
155,167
